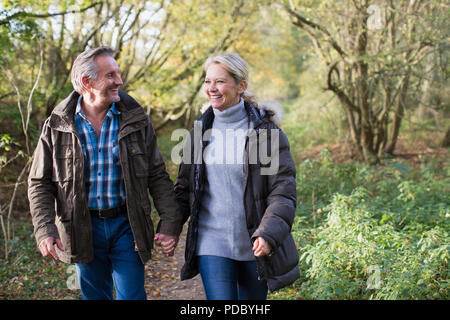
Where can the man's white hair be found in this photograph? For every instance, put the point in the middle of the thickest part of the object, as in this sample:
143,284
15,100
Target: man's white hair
84,65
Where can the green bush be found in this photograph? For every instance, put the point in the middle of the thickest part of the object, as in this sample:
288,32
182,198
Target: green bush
358,257
371,232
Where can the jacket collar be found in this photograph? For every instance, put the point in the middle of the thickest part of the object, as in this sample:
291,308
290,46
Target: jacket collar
255,115
62,117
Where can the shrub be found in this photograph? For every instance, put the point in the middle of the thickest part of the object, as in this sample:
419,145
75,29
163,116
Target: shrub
371,232
357,257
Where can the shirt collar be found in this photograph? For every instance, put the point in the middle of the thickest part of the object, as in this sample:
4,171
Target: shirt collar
112,110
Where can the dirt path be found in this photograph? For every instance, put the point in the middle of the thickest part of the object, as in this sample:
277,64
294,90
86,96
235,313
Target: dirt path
163,277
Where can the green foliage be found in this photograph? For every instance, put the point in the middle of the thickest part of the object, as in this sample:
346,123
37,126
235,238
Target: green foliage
318,180
382,232
28,276
6,144
15,28
412,263
314,117
6,141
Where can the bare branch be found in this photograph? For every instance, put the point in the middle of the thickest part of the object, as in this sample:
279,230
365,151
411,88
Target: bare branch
343,97
302,21
29,104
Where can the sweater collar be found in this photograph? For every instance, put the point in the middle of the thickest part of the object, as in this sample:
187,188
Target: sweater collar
254,115
231,114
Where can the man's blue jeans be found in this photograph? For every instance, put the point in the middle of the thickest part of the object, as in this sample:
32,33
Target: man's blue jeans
227,279
115,263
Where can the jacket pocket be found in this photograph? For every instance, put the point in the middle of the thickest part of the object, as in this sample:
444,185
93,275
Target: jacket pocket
138,159
284,258
64,227
63,164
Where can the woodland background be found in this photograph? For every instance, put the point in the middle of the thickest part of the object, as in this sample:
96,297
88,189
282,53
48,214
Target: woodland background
365,90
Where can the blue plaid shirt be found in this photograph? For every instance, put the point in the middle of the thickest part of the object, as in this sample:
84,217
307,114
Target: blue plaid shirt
102,170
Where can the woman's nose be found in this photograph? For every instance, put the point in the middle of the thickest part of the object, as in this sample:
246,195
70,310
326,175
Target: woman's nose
212,87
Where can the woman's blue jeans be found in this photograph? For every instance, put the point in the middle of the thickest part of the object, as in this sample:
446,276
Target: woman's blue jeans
227,279
116,264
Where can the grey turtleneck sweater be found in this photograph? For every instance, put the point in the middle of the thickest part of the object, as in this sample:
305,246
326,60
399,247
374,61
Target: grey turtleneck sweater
222,229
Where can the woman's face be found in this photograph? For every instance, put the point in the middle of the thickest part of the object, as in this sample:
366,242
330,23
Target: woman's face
221,88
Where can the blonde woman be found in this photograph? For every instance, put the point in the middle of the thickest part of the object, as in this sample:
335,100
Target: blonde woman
240,215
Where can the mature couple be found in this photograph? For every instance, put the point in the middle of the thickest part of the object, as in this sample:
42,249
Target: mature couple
97,159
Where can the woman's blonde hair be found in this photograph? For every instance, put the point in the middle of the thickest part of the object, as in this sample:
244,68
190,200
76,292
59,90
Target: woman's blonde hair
237,68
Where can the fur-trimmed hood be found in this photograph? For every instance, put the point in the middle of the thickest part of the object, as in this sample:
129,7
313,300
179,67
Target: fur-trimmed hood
273,110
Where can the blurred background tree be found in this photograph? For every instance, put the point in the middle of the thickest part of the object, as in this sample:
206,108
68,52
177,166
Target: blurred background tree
383,59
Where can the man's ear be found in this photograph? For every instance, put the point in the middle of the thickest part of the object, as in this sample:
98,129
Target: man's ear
86,82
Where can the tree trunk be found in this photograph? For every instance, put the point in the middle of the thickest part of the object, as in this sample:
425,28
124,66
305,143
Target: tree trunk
362,71
398,116
446,141
354,132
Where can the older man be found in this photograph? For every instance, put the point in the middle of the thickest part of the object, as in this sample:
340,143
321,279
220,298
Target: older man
95,162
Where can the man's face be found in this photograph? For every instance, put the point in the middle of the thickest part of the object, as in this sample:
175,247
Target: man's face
106,87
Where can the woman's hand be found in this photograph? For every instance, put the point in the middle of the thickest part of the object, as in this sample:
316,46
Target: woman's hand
261,247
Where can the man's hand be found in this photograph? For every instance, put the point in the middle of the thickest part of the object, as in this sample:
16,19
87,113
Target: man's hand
261,247
167,243
47,247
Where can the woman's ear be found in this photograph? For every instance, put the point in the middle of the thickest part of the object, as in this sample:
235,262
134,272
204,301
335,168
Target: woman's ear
242,86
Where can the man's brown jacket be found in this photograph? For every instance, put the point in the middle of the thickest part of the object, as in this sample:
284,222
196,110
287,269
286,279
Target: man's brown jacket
56,187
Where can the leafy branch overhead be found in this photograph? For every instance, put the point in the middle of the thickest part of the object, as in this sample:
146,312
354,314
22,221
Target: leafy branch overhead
25,14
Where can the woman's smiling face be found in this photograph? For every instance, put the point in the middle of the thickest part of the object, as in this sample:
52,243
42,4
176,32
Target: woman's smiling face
221,88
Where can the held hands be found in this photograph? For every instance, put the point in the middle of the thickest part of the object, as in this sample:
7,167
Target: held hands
167,243
47,248
261,247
